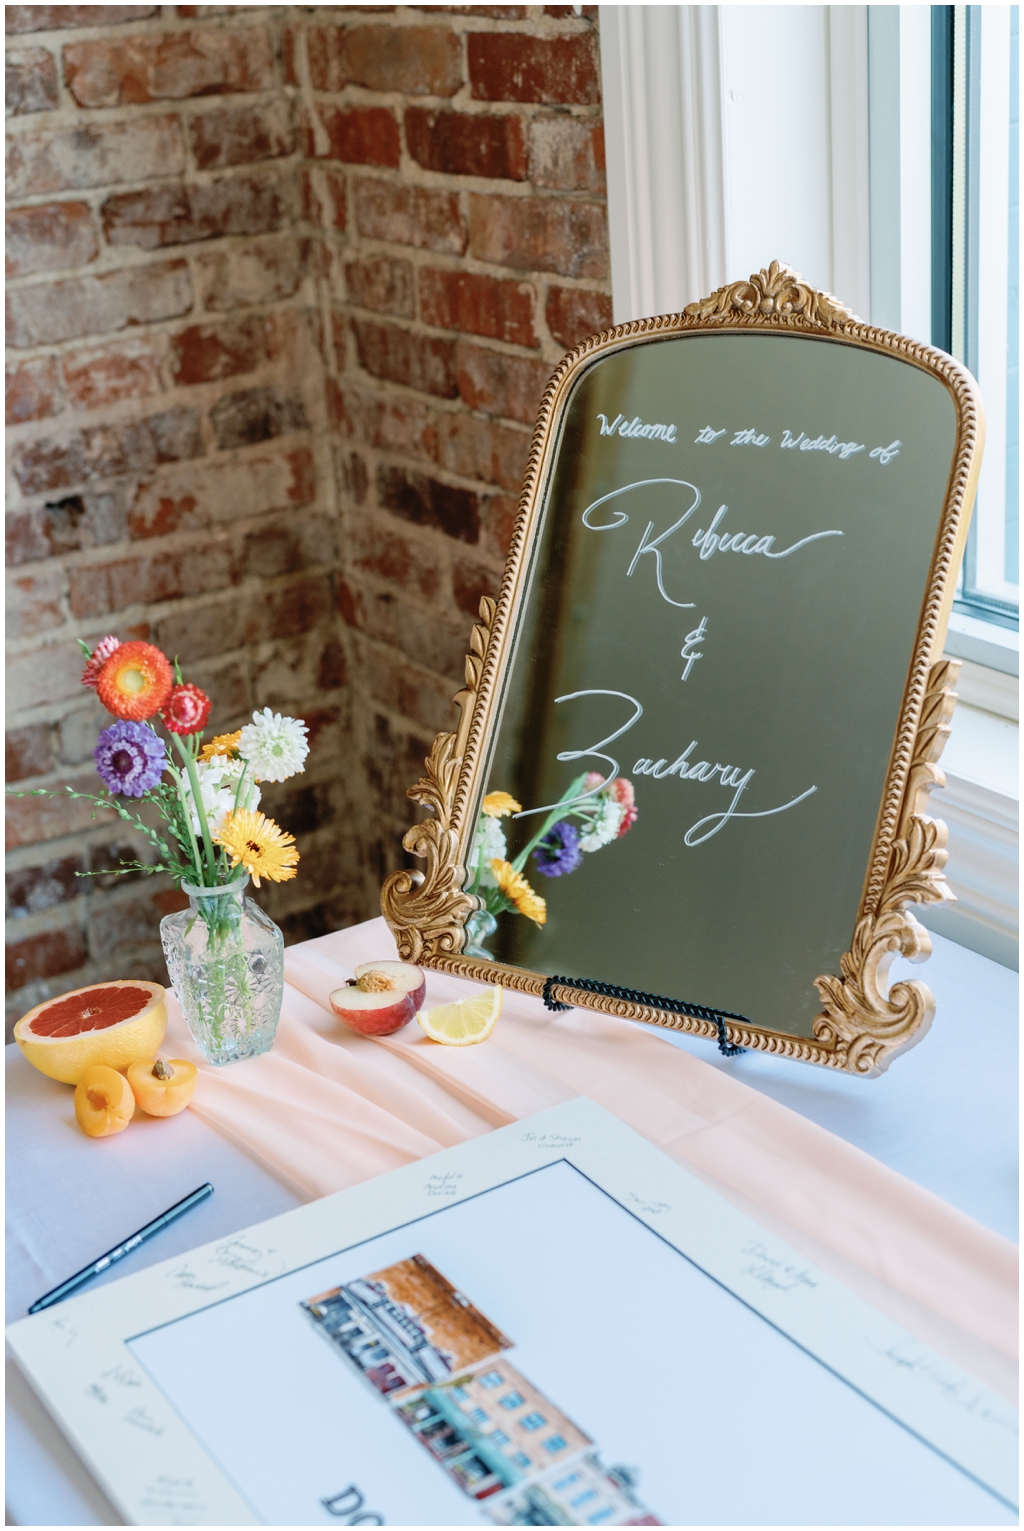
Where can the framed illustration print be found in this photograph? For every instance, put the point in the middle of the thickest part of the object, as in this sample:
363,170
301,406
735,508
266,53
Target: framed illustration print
550,1325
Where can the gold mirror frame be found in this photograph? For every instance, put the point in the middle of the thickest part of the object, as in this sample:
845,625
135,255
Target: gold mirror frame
861,1027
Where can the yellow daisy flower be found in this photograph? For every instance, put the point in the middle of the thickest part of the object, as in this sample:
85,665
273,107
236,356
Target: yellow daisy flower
497,804
518,891
257,842
224,744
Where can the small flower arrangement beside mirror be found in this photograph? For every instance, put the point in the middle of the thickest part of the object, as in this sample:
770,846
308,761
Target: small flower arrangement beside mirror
590,814
224,955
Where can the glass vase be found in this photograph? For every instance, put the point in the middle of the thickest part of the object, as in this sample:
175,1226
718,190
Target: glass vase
479,928
226,963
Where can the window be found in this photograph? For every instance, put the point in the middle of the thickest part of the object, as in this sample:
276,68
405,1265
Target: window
599,1515
567,1482
554,1443
491,1379
532,1421
460,1394
478,1416
584,1498
521,1460
511,1400
975,283
499,1437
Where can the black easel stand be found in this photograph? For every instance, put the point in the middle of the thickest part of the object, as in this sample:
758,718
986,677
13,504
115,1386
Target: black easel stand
655,1001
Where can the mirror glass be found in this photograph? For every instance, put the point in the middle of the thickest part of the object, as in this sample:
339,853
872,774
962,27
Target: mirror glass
708,667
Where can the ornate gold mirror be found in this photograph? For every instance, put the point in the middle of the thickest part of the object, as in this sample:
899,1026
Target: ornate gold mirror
701,721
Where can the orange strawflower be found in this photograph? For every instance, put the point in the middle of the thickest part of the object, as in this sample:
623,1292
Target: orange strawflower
135,682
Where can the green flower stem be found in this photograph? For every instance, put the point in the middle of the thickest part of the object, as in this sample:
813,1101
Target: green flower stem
556,815
179,782
190,767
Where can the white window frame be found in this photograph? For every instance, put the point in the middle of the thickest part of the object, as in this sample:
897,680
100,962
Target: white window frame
709,124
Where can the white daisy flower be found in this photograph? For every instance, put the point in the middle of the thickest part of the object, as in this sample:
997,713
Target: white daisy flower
604,826
275,747
489,845
218,785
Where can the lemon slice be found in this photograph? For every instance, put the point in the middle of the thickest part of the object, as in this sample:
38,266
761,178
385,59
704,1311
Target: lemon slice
464,1022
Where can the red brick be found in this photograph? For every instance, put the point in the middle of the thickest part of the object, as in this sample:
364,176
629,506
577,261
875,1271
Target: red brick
59,18
96,378
71,524
204,494
381,282
207,352
32,820
415,61
408,566
410,215
567,154
324,197
540,234
37,677
28,751
428,502
97,589
508,66
358,135
479,305
44,956
34,602
32,390
240,135
171,67
93,154
573,314
254,271
373,612
497,384
387,421
31,890
587,12
498,514
255,414
30,82
470,581
456,143
176,215
53,236
481,449
95,305
400,356
103,451
288,546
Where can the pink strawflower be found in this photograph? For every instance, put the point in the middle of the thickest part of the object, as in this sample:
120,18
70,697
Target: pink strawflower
621,789
98,658
186,710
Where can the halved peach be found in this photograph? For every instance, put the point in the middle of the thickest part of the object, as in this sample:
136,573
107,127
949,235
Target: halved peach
104,1102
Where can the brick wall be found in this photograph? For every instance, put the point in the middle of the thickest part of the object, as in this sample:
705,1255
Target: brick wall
458,181
284,288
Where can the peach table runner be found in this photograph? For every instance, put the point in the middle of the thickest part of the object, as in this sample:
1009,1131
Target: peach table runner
326,1109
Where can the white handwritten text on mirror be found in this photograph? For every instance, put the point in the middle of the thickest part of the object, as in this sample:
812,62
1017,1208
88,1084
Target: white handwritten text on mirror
729,776
636,429
801,442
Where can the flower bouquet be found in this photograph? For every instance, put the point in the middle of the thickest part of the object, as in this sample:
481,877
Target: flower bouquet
224,956
590,814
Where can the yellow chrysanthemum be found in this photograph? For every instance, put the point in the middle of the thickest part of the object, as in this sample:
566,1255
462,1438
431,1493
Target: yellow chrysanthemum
518,891
259,844
224,744
497,804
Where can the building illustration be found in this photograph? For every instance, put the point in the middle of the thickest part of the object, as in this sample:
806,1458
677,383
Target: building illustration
443,1369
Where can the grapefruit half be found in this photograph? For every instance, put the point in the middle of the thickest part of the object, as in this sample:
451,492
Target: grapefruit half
113,1023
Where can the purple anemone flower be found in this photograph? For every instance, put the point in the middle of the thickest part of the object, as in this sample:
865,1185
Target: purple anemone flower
130,758
559,851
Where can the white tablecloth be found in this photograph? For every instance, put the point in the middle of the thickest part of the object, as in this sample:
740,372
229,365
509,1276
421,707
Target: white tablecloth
944,1116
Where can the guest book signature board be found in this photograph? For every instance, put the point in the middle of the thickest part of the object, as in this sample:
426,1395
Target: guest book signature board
725,601
398,1354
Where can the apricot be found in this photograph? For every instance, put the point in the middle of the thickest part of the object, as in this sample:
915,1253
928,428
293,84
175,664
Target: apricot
104,1103
165,1087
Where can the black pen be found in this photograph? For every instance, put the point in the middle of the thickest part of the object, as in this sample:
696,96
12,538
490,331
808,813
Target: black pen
120,1250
